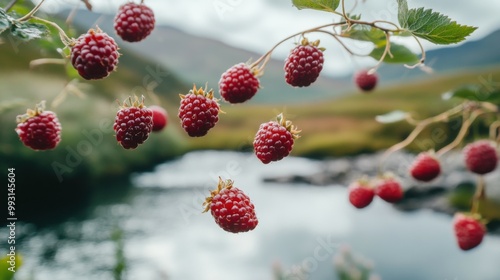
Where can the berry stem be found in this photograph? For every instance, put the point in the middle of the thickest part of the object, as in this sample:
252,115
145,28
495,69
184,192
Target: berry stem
422,58
64,38
420,126
387,50
479,195
336,37
467,122
31,13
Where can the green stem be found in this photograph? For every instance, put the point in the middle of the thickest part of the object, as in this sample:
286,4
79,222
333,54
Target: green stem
31,13
64,38
479,195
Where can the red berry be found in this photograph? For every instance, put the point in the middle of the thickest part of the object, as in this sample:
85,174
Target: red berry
133,124
303,64
360,194
238,84
94,55
468,231
366,81
274,140
199,112
134,22
425,167
39,129
231,208
160,118
481,157
389,189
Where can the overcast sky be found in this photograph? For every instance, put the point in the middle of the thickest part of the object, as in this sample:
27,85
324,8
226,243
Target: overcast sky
258,24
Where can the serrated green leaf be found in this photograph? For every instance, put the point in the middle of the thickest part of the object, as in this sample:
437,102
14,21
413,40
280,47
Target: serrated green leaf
401,54
392,117
322,5
432,26
364,33
477,93
402,12
27,31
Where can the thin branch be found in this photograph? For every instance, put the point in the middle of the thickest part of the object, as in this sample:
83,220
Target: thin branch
423,57
479,195
335,36
31,13
64,38
461,134
387,50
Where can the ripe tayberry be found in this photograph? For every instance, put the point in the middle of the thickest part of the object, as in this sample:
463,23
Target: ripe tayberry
389,189
304,64
239,83
134,22
39,129
274,140
469,231
160,118
425,168
365,80
231,208
133,123
481,157
94,55
361,194
199,112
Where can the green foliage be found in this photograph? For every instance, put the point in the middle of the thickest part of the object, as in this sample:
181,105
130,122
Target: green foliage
432,26
478,93
22,30
400,54
364,33
322,5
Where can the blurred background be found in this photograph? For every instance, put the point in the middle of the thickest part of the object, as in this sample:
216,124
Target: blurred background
92,210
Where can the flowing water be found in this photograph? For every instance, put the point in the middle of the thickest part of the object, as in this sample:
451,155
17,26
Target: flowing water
165,235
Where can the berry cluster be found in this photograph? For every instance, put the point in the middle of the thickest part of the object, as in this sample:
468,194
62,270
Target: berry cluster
387,187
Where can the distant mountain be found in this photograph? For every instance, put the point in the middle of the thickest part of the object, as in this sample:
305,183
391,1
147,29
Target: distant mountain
202,60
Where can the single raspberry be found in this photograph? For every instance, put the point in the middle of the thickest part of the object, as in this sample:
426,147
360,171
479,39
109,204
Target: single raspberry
389,189
134,22
133,123
94,55
231,208
160,118
469,231
481,157
365,80
239,83
425,168
303,64
361,193
274,140
39,129
199,112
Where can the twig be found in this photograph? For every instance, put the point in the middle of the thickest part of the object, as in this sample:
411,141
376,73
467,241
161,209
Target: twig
31,13
479,195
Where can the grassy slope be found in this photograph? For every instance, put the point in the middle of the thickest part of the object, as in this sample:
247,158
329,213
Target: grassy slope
345,125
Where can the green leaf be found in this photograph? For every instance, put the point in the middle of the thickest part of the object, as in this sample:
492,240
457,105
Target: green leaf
27,31
478,93
364,33
391,117
322,5
432,26
4,21
402,12
401,54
